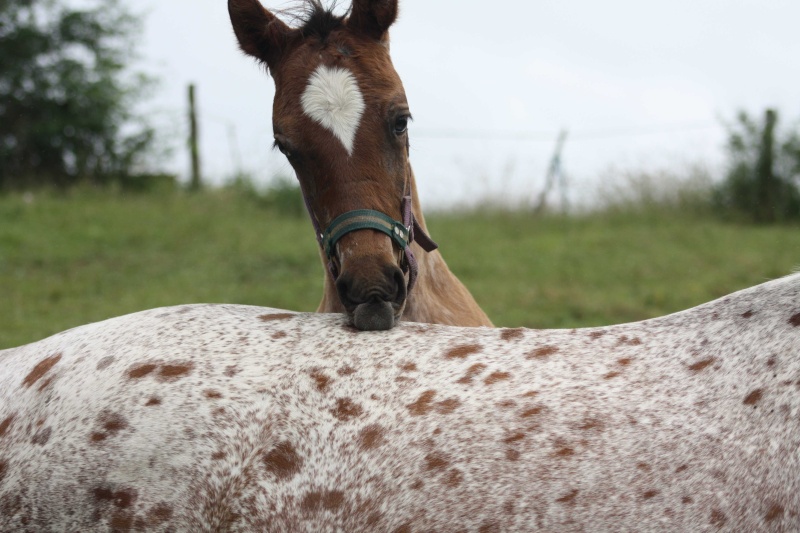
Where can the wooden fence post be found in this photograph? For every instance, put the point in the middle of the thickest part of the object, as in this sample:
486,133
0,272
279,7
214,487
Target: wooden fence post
194,149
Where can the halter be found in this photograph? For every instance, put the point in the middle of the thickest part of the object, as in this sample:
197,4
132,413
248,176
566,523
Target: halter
403,233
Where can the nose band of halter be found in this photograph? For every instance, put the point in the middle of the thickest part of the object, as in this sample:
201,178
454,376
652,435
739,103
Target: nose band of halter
364,219
402,233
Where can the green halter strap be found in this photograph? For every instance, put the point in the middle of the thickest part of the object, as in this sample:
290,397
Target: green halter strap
363,219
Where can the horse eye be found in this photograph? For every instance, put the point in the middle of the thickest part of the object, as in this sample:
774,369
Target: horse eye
400,125
282,149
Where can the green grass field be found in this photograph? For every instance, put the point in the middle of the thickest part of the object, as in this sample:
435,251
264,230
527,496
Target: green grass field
66,260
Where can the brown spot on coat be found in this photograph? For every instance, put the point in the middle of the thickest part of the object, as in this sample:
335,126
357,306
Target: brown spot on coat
591,423
611,375
514,438
542,351
315,501
568,498
565,451
174,372
279,335
332,499
509,334
121,521
40,370
141,371
346,370
231,371
5,424
153,401
489,527
682,468
346,409
533,411
42,436
512,455
276,316
702,365
320,380
371,437
463,351
625,361
159,514
649,494
494,377
718,518
46,383
472,372
3,469
776,511
795,320
408,367
111,423
445,407
596,335
423,404
630,342
283,461
754,397
748,314
454,478
436,461
212,394
121,499
374,519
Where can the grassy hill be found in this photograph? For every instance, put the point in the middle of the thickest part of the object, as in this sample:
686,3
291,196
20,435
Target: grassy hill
66,260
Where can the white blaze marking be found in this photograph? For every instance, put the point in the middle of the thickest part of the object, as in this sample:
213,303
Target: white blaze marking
333,99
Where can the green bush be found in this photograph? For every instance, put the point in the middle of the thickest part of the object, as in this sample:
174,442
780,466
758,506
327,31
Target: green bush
67,95
761,184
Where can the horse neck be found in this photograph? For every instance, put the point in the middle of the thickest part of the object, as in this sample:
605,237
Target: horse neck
438,297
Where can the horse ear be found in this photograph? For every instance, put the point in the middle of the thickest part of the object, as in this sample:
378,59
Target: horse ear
372,17
260,33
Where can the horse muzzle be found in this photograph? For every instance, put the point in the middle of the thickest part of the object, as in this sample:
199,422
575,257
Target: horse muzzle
374,298
373,302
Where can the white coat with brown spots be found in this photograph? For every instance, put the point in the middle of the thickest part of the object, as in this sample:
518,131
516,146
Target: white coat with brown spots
232,418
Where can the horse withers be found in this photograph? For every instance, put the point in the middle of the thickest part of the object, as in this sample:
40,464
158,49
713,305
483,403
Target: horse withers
340,116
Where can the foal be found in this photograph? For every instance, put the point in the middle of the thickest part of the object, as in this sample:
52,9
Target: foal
340,117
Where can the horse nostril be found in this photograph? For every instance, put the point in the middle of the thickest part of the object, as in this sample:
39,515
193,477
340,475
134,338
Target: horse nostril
344,288
399,285
388,286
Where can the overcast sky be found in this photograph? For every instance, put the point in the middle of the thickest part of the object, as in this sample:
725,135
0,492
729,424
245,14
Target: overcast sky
636,84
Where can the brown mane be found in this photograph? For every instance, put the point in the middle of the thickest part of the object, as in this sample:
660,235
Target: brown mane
317,21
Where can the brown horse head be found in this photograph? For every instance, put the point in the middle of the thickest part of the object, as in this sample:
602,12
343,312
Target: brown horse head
340,116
